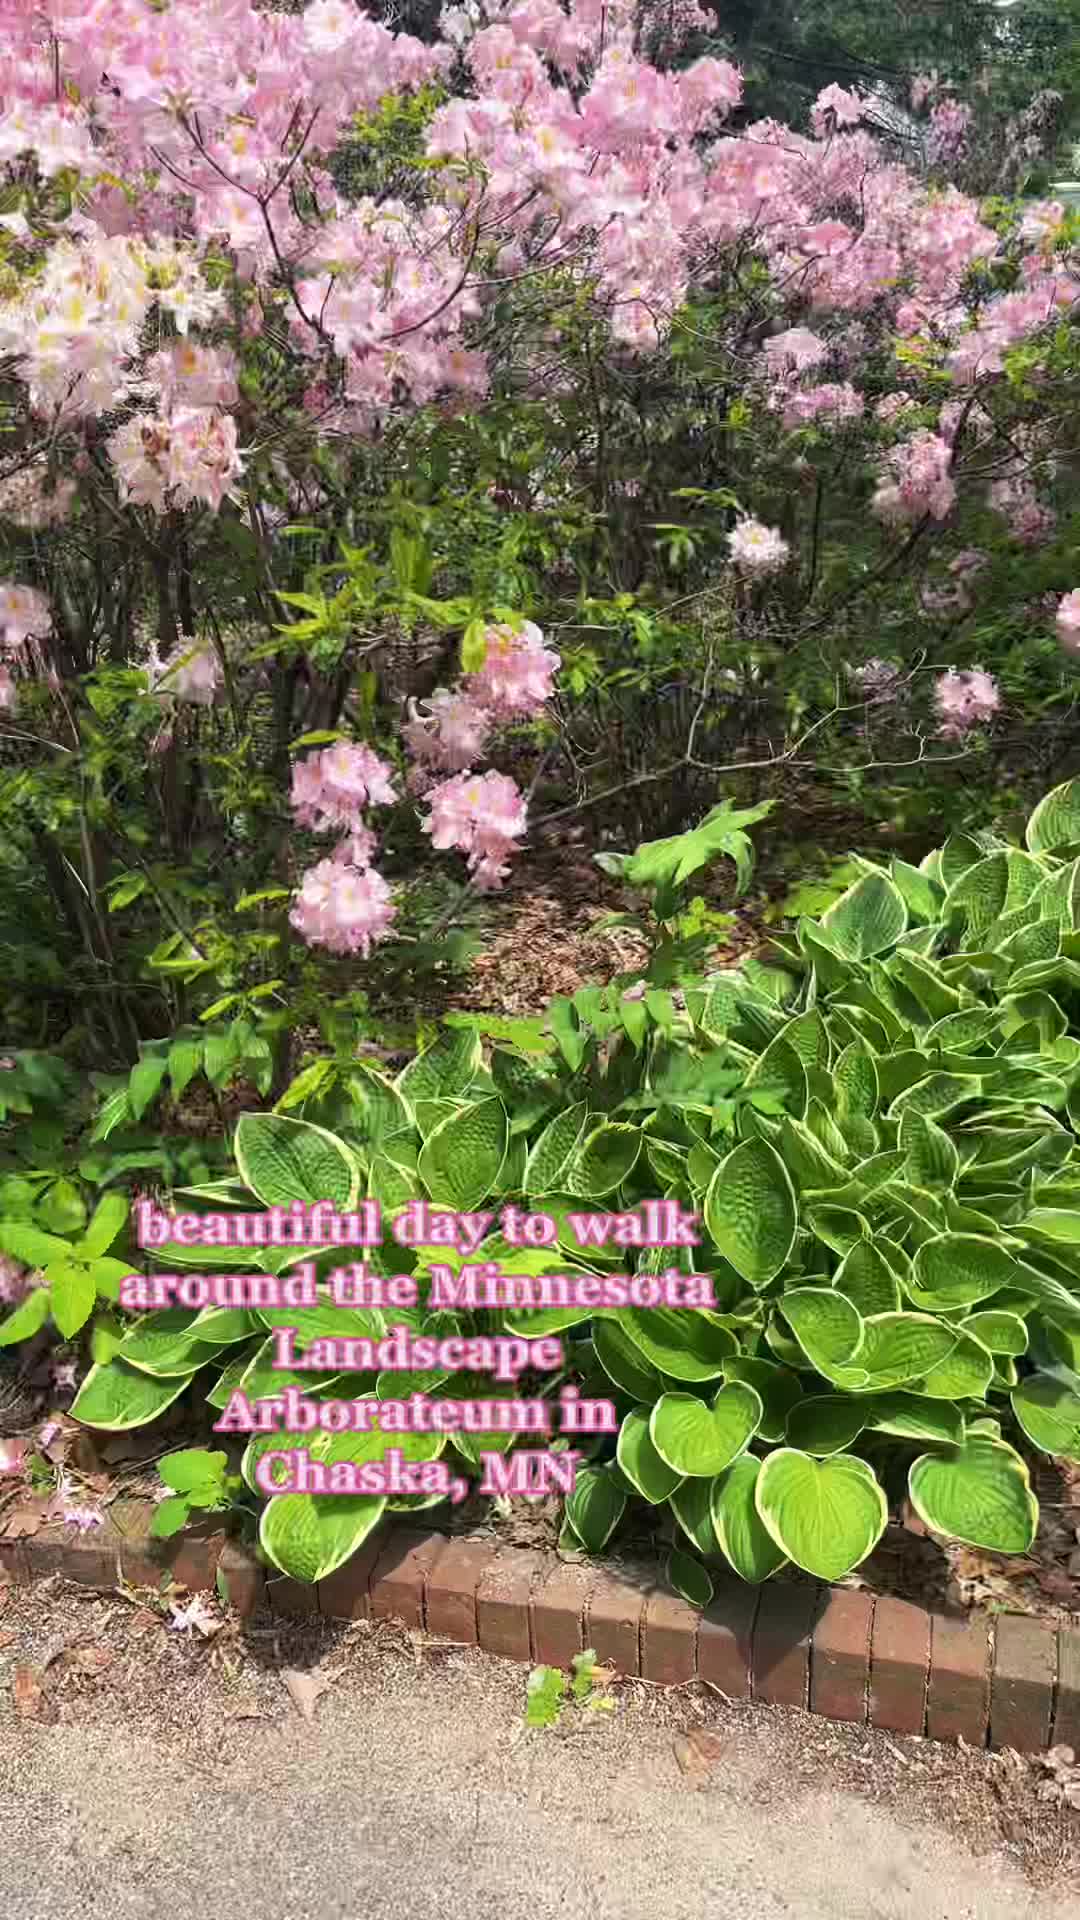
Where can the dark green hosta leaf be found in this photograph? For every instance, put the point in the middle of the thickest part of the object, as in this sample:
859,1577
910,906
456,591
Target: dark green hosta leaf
647,1472
1049,1414
595,1508
682,1343
933,1160
979,1493
827,1423
911,1416
550,1154
751,1213
825,1515
998,1331
699,1439
840,1228
934,1095
978,896
826,1326
688,1578
865,1278
965,1373
779,1072
691,1503
896,1348
116,1398
960,1270
624,1363
776,1386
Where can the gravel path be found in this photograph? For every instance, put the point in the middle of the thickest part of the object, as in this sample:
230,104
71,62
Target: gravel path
148,1775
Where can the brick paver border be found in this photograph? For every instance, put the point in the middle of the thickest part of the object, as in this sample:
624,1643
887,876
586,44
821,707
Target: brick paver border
998,1680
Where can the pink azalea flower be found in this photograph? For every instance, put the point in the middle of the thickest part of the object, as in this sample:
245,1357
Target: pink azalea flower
516,677
757,549
482,815
330,788
343,908
963,700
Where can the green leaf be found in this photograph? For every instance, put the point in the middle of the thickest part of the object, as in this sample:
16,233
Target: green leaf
603,1161
116,1398
777,1388
979,1493
677,1342
742,1538
1055,822
825,1515
867,919
444,1070
595,1508
865,1278
551,1152
169,1516
282,1160
61,1208
144,1081
826,1326
624,1363
108,1218
28,1244
193,1468
544,1691
699,1440
911,1416
27,1318
827,1423
691,1503
460,1161
184,1060
310,1535
1049,1414
688,1578
998,1330
898,1347
639,1460
965,1373
750,1211
73,1295
958,1270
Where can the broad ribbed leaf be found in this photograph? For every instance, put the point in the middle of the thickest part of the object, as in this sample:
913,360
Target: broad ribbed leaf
979,1493
750,1211
1049,1414
699,1439
825,1515
867,919
460,1161
641,1463
742,1538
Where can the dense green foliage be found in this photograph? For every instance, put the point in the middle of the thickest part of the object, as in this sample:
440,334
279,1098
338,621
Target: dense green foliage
878,1133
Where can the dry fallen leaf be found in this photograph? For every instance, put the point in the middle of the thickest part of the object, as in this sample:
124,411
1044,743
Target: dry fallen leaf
305,1688
89,1659
6,1639
23,1521
26,1691
695,1753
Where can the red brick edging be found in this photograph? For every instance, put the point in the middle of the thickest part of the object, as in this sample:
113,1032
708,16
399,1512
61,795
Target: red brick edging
1004,1680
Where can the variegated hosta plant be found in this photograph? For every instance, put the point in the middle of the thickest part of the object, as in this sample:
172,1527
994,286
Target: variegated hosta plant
878,1137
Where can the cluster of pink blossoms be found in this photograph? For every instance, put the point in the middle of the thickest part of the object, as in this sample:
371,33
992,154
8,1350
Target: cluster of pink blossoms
192,673
25,619
482,815
330,789
920,481
963,700
180,459
1067,621
834,403
757,549
451,729
342,904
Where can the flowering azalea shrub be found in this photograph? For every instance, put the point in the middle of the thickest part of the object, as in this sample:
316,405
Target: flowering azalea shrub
381,410
876,1134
